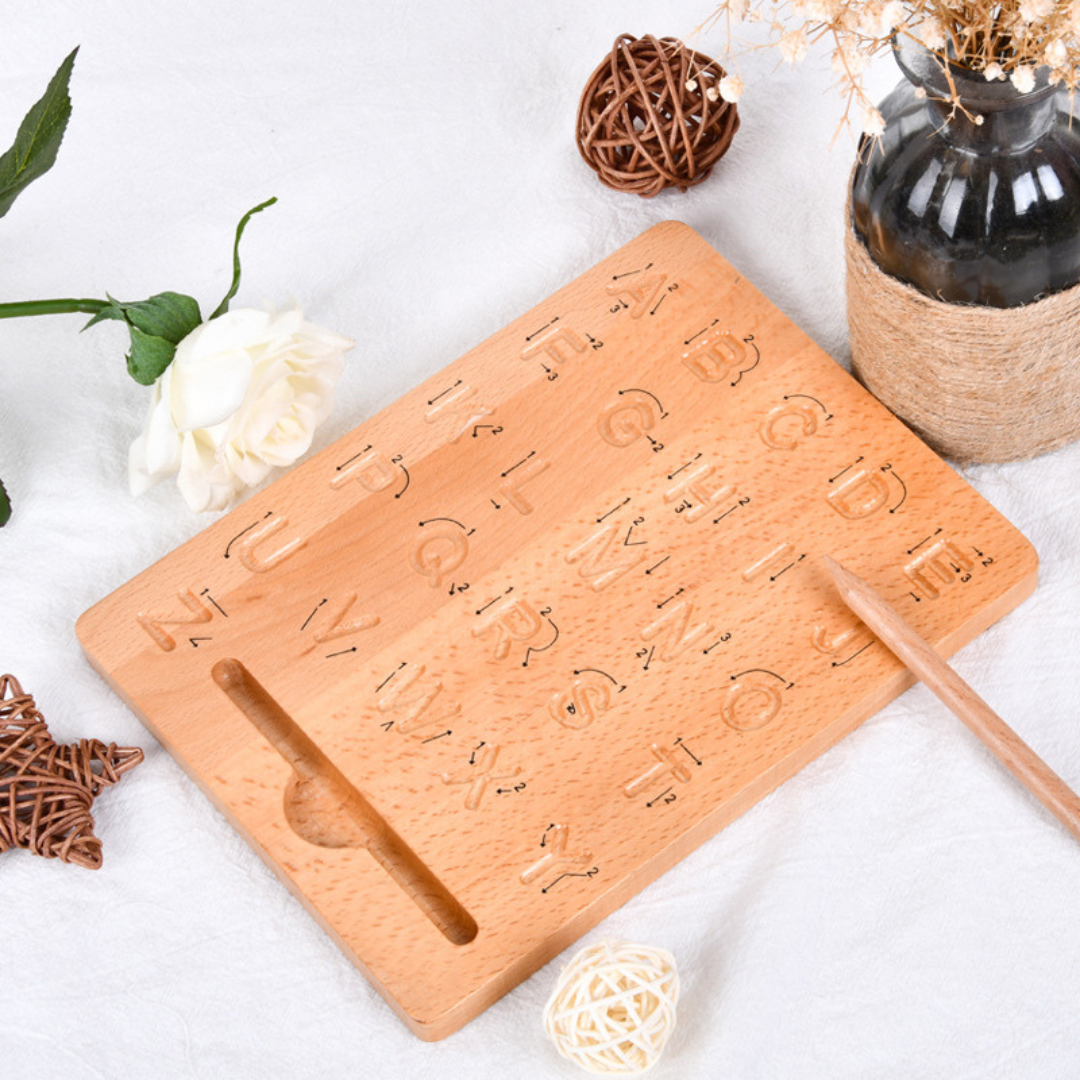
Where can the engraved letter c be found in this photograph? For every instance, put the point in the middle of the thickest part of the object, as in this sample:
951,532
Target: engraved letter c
805,423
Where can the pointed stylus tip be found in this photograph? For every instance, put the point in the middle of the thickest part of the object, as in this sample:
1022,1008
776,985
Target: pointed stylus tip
847,583
840,575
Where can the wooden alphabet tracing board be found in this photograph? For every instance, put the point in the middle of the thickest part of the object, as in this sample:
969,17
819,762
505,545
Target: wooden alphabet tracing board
473,676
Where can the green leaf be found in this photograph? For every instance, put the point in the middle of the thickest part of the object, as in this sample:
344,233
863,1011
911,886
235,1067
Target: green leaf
157,325
166,315
5,506
149,356
224,305
111,310
38,138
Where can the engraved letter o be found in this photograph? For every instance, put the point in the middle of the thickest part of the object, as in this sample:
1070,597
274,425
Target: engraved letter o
749,705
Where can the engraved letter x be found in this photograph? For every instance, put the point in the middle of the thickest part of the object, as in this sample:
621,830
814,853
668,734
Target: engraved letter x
479,776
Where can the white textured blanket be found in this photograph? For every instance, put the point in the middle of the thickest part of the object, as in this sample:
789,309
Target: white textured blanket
900,909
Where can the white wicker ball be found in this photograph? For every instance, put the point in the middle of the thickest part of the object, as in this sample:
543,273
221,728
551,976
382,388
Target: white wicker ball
613,1008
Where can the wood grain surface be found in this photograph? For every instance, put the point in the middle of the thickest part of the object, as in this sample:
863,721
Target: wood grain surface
477,673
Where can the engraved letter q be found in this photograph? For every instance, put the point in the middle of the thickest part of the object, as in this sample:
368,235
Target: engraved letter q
439,551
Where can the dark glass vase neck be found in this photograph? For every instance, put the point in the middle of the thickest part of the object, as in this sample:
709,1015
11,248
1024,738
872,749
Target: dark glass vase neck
988,116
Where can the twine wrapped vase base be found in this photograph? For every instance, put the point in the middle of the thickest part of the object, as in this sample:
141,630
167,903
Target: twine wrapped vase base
978,384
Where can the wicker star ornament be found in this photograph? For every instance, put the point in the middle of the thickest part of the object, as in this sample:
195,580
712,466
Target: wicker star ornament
46,789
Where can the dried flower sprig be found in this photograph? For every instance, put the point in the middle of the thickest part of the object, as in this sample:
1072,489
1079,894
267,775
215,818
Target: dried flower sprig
1002,39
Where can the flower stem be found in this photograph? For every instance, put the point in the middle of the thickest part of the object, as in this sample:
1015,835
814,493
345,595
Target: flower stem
51,307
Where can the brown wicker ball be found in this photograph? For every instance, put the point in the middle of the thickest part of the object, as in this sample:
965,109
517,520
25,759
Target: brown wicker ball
642,129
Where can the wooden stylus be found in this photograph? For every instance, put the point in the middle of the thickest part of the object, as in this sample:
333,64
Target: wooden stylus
917,655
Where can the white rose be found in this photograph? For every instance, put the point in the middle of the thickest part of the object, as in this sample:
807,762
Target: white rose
243,393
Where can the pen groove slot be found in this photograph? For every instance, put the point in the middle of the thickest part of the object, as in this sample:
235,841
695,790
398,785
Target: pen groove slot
325,809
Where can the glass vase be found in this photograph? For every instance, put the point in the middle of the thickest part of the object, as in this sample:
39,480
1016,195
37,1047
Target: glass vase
977,202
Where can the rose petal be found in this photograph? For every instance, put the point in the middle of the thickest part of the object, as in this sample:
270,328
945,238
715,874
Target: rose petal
139,480
161,444
240,329
247,468
197,461
208,391
243,394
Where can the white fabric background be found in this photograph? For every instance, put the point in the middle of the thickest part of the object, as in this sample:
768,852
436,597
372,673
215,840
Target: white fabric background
900,909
